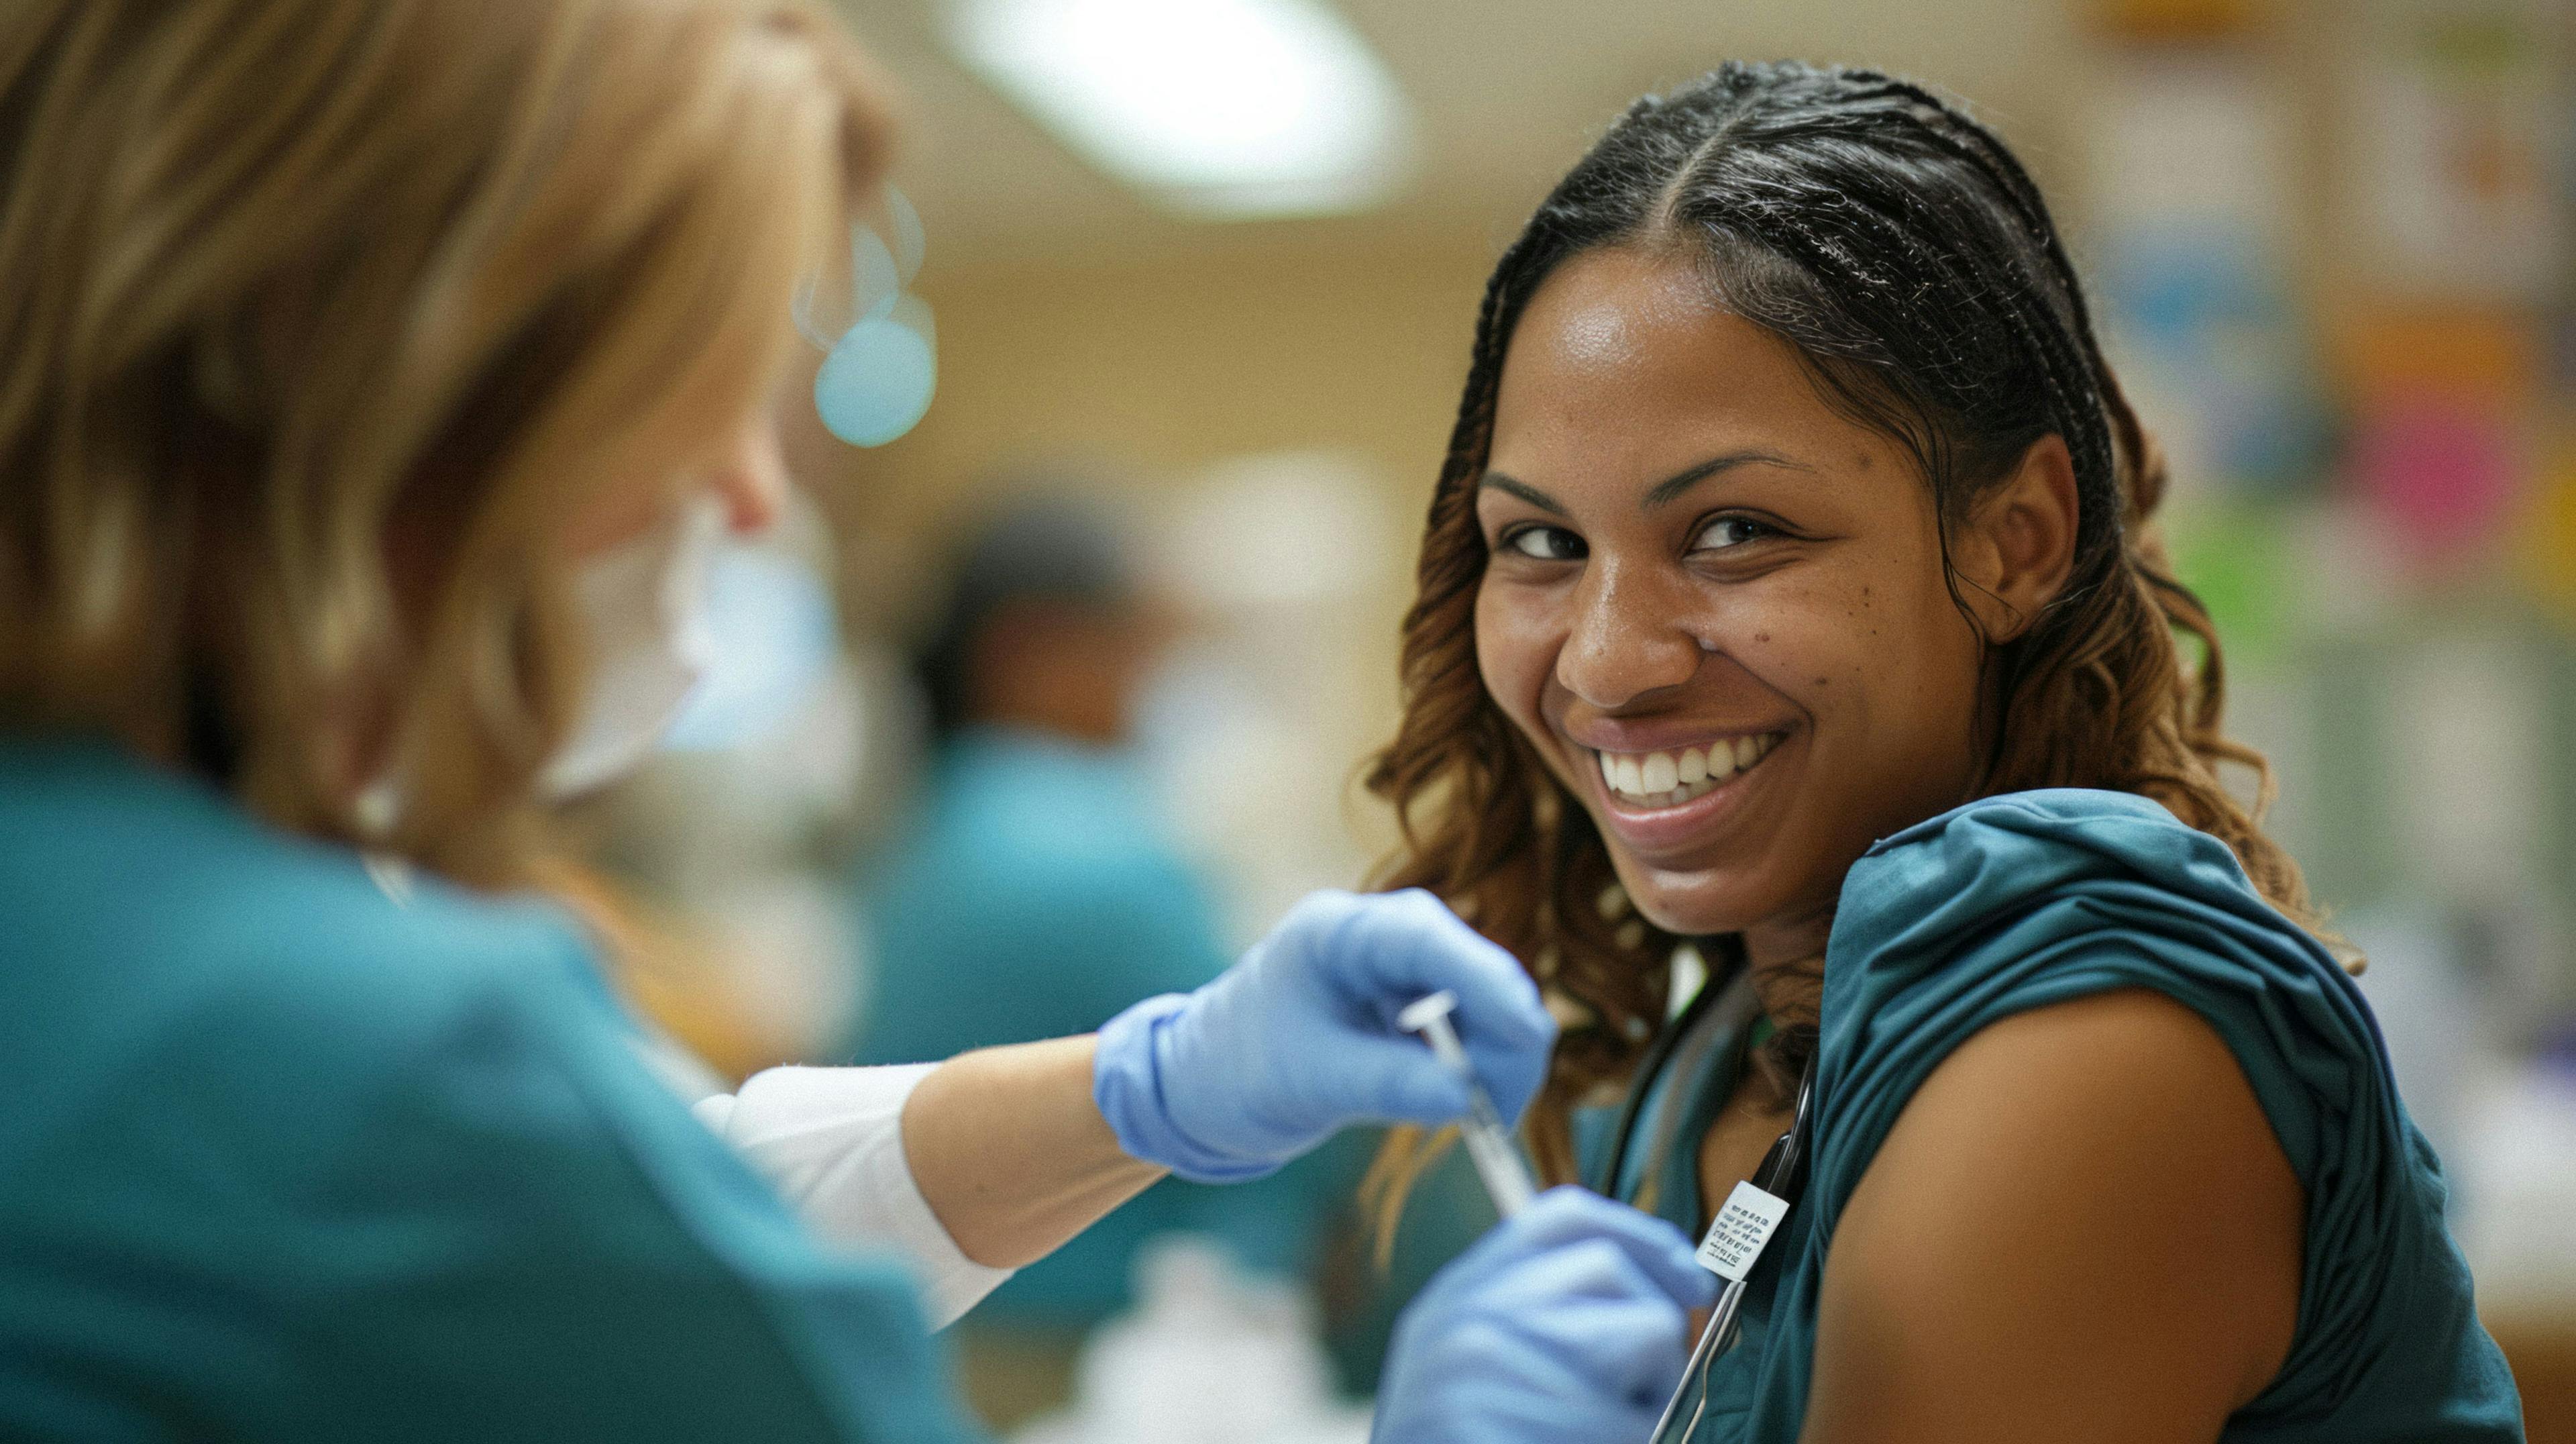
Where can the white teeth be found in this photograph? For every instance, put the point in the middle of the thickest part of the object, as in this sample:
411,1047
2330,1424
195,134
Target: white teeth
1661,772
1668,779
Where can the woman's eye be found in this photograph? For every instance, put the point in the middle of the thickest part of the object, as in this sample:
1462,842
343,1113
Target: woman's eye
1546,543
1733,531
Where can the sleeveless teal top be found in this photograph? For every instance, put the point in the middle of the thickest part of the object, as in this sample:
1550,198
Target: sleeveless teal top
282,1160
2028,899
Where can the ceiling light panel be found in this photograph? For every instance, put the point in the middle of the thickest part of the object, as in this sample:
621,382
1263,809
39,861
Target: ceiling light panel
1220,108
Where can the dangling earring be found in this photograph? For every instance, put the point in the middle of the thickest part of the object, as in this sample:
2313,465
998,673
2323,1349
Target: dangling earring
879,373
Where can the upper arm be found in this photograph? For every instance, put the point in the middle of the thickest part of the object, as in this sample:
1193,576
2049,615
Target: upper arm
2081,1227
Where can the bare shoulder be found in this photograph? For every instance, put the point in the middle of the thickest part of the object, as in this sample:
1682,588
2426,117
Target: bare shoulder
2082,1225
2130,1059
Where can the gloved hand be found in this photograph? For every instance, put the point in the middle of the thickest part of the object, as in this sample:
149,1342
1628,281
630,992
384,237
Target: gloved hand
1299,1039
1564,1325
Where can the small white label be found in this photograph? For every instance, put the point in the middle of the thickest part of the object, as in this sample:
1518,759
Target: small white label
1741,1228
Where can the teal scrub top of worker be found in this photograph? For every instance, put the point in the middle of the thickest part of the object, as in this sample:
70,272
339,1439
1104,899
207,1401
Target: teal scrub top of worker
1034,892
2019,901
284,1160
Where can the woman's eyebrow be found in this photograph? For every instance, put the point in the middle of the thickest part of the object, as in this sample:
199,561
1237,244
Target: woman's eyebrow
1682,481
1523,490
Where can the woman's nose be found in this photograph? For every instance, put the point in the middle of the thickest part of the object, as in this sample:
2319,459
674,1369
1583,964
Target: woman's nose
1626,640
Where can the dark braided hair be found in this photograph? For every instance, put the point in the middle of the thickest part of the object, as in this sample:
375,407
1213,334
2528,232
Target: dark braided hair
1905,254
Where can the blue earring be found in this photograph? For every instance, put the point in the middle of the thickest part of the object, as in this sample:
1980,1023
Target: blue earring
880,374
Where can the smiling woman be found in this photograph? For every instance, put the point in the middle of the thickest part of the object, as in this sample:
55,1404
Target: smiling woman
1789,591
1785,426
1780,605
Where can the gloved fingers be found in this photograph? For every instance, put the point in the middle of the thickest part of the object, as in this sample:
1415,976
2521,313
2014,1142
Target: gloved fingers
1631,1350
1594,1308
1521,1379
1527,1379
1511,1072
1480,1382
1566,1215
1562,1218
1388,950
1392,1080
1459,1279
1560,1215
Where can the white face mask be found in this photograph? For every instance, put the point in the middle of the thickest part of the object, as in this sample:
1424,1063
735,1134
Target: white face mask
643,604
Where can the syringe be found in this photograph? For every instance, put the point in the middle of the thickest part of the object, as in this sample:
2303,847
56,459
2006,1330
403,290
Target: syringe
1489,1143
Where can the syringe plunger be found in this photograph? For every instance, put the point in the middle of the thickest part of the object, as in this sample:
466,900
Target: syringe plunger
1489,1143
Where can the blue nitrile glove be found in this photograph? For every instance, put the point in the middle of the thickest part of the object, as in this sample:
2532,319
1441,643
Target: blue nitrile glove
1565,1325
1299,1039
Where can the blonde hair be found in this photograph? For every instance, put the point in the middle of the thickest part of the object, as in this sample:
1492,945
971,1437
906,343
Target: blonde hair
324,319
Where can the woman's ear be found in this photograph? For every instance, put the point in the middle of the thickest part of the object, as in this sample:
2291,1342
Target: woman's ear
2017,548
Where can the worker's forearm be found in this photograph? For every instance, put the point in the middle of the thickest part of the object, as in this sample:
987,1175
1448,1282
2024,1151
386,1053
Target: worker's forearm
1011,1153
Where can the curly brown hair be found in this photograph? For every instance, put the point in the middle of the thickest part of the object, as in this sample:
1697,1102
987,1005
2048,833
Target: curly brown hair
1906,255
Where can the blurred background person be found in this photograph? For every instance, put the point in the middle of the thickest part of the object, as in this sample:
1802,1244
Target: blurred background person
1037,887
1034,882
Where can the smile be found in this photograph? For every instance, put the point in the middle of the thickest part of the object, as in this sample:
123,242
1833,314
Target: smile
1669,779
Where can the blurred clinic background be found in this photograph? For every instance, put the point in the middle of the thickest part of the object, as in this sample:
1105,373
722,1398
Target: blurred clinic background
1059,700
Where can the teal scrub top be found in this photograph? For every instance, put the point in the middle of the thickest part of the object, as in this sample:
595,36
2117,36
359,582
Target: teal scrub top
284,1160
2020,901
1034,893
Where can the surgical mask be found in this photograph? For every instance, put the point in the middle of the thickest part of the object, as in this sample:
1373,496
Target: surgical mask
779,641
643,606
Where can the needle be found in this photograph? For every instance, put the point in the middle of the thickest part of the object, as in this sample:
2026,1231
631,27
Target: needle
1489,1143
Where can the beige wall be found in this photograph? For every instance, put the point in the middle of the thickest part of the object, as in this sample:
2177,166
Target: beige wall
1152,369
1140,375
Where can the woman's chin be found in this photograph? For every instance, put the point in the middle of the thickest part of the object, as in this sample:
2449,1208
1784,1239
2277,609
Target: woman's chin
1692,905
1781,912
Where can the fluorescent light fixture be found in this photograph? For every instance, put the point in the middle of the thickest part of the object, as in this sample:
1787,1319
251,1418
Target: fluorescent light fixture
1221,108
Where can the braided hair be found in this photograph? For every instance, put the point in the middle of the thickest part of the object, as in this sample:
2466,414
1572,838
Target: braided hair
1907,257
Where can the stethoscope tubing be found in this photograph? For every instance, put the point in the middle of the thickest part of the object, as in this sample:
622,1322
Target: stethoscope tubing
1658,1053
1721,1322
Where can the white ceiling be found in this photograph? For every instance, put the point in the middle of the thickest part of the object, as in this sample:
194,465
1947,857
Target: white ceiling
1506,93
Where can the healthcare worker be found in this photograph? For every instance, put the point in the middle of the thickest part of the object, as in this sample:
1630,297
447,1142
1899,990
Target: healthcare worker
1037,806
373,374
